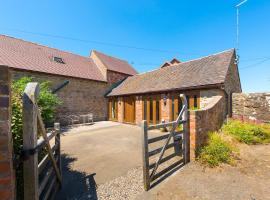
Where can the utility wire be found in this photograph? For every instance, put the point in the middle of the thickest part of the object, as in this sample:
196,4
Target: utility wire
264,59
99,42
256,64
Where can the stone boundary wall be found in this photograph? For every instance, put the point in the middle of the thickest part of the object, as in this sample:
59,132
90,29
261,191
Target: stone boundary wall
7,176
205,120
251,107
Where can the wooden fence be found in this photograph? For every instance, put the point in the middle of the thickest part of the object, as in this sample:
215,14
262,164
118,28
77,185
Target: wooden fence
180,145
42,166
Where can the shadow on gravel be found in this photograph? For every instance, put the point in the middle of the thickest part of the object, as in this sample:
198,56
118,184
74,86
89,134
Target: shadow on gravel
167,172
76,185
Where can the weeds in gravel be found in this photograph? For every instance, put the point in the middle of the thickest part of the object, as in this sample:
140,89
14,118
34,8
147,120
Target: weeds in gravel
216,151
247,132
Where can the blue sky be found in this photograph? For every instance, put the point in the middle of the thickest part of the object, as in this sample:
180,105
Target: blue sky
160,30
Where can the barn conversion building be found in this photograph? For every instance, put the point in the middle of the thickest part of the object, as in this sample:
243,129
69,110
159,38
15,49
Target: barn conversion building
154,96
110,88
89,77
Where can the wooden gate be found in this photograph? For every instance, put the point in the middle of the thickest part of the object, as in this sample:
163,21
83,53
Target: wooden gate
180,145
42,163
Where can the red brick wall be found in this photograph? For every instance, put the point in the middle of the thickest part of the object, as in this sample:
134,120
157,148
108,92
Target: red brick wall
203,121
120,109
138,111
7,189
165,107
113,77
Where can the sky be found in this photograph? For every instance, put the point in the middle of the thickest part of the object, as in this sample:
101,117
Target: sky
146,32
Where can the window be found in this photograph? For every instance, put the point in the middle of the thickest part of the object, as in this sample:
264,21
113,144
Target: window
180,105
188,101
195,101
157,112
58,60
151,110
145,109
172,108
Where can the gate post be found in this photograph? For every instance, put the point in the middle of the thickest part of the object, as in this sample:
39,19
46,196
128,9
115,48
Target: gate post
58,150
30,166
186,134
146,177
7,175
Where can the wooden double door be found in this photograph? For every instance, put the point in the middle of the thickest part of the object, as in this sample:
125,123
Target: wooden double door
152,109
129,109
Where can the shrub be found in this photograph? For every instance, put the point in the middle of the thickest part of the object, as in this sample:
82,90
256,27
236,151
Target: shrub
216,151
47,103
247,132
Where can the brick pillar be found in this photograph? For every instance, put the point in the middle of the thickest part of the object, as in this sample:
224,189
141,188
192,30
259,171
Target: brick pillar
192,133
138,111
165,107
120,109
7,186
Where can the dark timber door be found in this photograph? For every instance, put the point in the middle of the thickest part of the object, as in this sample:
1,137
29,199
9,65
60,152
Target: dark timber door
129,109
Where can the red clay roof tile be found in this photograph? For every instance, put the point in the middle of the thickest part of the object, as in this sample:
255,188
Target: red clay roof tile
210,70
115,64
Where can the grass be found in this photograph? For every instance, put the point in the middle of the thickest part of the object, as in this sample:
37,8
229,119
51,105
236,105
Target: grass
219,148
217,151
248,133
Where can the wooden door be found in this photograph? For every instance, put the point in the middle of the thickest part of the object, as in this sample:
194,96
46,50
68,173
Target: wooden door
151,110
113,109
129,109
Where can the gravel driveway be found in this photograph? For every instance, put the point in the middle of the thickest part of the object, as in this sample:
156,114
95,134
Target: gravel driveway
96,156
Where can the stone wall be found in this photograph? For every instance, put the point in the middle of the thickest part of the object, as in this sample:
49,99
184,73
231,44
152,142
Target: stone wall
251,106
80,96
207,96
7,177
232,83
203,121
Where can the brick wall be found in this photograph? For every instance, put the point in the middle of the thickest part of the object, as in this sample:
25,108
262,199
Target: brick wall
251,106
79,96
165,107
99,64
138,111
204,120
113,77
120,109
7,177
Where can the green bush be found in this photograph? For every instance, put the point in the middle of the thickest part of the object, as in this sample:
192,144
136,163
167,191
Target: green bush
247,132
216,151
47,103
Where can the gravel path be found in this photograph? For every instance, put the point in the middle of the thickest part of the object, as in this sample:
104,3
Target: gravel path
123,187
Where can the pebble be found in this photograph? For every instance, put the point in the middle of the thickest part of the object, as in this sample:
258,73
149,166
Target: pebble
123,187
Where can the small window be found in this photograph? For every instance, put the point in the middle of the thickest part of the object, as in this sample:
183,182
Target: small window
195,102
58,60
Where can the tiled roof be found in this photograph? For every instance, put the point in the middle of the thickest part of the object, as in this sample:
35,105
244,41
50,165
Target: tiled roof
206,71
20,54
115,64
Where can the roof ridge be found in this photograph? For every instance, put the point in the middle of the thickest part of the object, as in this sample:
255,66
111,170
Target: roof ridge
185,62
42,45
206,56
